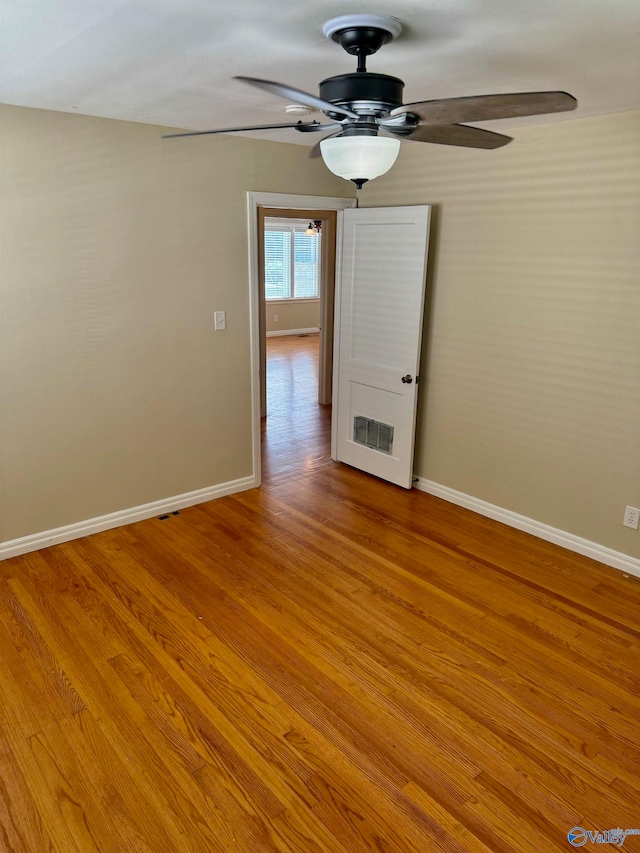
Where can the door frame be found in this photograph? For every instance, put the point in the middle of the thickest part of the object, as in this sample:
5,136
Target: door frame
255,201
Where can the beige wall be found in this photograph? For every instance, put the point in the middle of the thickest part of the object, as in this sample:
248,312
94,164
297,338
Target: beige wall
530,396
116,249
293,315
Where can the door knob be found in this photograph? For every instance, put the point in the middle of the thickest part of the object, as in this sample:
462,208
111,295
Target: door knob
408,379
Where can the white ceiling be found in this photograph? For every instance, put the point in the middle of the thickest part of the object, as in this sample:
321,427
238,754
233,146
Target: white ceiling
170,62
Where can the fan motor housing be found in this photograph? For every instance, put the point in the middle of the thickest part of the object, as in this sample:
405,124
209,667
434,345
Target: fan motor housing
371,93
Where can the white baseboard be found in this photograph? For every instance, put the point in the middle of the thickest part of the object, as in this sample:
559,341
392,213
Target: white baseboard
608,556
279,334
15,547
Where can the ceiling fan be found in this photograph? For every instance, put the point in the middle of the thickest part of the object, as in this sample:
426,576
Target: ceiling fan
367,116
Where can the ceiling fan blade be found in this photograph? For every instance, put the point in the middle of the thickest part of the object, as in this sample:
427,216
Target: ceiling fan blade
298,125
297,96
488,107
457,134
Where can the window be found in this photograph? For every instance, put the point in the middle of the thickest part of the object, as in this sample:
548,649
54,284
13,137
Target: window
291,260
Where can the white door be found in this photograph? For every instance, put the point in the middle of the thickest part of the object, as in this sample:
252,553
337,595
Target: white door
384,258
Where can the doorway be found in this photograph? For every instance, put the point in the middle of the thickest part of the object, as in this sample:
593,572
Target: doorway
328,223
293,434
297,276
295,439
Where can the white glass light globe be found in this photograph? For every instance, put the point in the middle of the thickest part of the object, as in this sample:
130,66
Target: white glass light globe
359,157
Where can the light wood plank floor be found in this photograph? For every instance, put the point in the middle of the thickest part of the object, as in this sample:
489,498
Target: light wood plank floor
328,663
296,434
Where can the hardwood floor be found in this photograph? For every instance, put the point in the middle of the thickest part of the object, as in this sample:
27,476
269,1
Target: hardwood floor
296,434
328,663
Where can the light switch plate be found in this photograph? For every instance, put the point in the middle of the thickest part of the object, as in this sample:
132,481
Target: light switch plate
220,321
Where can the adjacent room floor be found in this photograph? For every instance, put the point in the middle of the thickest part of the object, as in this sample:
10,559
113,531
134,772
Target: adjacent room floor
296,434
328,663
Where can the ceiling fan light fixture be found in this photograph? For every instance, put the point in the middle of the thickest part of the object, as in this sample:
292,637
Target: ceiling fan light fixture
315,226
359,158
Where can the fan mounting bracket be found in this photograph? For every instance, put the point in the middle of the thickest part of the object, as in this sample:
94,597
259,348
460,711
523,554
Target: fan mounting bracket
362,35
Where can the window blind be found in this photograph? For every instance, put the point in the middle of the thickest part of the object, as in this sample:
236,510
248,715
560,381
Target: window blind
277,264
305,275
291,262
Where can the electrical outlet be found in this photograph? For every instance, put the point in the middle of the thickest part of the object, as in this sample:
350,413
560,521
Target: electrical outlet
631,517
275,318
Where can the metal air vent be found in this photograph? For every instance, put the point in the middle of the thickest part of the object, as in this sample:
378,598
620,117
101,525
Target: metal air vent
373,434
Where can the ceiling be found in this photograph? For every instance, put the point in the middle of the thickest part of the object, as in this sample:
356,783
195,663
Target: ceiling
170,62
